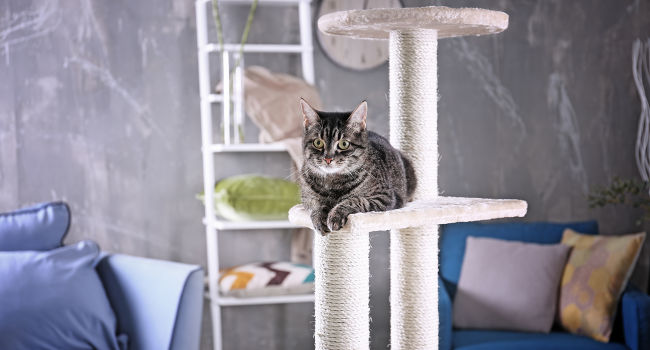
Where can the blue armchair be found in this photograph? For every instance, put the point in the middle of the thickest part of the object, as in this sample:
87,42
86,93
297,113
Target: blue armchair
632,330
158,303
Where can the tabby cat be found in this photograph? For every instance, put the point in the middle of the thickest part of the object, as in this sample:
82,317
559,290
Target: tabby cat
348,169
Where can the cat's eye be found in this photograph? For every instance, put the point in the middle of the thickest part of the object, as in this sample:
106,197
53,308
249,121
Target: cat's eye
319,143
344,144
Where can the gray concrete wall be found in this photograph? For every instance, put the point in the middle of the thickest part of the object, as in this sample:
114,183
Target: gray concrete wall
99,107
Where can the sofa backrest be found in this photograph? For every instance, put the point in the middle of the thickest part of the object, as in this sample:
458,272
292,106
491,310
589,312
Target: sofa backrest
454,236
39,227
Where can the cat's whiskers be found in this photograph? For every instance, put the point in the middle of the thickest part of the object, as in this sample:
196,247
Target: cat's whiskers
294,174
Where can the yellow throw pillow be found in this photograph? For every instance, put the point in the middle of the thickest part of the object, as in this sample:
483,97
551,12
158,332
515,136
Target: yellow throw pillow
595,275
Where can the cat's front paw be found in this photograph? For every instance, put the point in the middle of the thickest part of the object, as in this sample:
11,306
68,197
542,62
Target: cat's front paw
322,229
320,225
337,218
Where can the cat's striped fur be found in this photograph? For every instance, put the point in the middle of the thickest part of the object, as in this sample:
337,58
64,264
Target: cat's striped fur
367,175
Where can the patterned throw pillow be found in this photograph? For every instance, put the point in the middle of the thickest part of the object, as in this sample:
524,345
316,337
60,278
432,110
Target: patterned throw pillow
266,279
595,275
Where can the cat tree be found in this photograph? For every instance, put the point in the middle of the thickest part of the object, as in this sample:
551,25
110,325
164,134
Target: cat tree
341,258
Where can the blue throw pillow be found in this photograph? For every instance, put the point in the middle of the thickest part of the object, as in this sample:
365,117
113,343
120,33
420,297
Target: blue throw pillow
54,300
453,238
41,227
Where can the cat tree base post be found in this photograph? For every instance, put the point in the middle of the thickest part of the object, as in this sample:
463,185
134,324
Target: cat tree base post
341,303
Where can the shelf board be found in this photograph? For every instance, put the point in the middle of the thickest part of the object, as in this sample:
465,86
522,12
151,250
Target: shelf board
278,299
260,2
225,225
213,98
267,48
247,147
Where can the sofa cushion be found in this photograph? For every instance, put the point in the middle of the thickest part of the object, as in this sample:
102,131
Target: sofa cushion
54,300
453,237
509,285
503,340
40,227
594,278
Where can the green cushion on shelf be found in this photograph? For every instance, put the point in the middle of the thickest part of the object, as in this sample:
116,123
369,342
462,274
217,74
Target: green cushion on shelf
254,197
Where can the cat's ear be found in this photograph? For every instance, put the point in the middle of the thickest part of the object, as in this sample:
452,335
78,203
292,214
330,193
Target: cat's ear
309,114
358,116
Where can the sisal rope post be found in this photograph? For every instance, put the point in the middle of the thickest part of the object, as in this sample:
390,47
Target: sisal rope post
342,293
413,127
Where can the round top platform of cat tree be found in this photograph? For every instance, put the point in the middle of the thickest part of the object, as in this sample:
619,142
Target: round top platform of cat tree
378,23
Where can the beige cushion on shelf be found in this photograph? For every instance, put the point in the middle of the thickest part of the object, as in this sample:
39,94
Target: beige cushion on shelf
508,285
272,102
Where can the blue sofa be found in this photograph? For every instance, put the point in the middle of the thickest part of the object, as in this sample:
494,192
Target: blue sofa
155,304
632,329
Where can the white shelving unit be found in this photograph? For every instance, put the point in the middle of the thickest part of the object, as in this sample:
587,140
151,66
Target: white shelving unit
247,147
280,299
231,144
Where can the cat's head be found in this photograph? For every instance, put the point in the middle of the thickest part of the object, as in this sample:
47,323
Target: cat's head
334,142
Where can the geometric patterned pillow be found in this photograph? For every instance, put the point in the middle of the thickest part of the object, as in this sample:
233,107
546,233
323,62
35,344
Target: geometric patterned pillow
594,278
267,279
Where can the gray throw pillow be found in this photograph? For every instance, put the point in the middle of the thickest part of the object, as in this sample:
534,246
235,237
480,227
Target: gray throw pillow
507,285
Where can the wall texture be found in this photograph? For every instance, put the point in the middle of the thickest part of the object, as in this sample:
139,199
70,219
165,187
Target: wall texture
99,107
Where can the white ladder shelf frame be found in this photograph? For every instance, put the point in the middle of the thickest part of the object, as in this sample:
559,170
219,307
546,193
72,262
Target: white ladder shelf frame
209,148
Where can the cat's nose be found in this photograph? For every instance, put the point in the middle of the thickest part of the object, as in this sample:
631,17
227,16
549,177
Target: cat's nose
328,160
